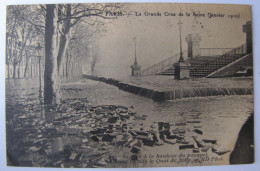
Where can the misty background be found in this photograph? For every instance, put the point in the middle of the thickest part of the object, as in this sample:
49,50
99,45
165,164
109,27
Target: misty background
157,37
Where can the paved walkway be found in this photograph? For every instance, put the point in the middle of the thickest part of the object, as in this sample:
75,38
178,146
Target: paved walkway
167,83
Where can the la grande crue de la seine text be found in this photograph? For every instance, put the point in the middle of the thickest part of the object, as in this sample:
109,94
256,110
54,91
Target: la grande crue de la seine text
173,14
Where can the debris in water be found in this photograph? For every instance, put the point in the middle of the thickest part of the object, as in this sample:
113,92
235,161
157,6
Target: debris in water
198,131
73,156
209,141
135,150
189,146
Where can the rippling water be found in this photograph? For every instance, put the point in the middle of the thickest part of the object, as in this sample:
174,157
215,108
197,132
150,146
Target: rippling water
219,117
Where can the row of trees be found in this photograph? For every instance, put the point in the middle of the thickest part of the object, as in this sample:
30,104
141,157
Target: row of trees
65,31
21,36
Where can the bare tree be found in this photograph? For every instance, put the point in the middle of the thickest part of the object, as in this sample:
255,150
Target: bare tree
60,19
21,33
55,24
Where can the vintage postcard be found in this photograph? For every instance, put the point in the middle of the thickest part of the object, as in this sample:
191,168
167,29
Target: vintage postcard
129,85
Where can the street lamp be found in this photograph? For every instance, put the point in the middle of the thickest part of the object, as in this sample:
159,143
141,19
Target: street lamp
181,68
135,51
181,57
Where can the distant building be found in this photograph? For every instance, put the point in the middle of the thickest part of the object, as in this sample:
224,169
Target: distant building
193,41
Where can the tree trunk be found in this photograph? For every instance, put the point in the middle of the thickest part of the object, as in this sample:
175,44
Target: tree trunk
14,73
67,64
71,68
8,67
51,91
31,68
64,38
6,57
18,72
35,70
26,68
11,47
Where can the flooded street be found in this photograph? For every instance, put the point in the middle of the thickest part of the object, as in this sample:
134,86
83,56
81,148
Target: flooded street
195,119
128,85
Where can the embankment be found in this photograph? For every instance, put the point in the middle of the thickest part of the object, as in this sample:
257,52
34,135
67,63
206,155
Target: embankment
174,94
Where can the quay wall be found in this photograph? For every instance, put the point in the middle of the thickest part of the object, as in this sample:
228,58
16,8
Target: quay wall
171,95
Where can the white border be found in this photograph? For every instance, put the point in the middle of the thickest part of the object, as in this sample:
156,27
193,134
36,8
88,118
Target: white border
256,27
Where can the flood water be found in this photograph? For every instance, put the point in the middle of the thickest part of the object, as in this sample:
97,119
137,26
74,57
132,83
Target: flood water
219,117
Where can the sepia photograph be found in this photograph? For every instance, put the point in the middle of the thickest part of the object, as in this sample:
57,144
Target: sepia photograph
129,85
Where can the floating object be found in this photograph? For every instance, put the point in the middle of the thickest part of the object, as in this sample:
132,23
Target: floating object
94,132
161,136
182,142
84,140
134,157
73,156
217,149
205,149
142,133
209,141
102,162
198,131
181,131
171,136
159,143
112,119
135,150
108,138
195,150
189,146
199,143
193,121
148,142
34,149
133,133
180,123
222,152
179,137
95,138
133,143
170,141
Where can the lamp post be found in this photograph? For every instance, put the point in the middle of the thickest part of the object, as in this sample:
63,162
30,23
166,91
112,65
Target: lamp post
181,57
136,69
135,50
181,68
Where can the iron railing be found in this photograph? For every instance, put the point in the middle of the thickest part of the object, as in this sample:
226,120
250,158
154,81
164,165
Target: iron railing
156,68
214,51
216,63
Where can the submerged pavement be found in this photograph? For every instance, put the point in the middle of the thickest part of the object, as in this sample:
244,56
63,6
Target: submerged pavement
162,88
98,125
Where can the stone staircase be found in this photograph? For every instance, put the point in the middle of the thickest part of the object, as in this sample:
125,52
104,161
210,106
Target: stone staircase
214,64
168,71
195,62
201,66
162,66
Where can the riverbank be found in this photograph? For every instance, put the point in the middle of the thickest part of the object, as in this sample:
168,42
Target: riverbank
161,88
